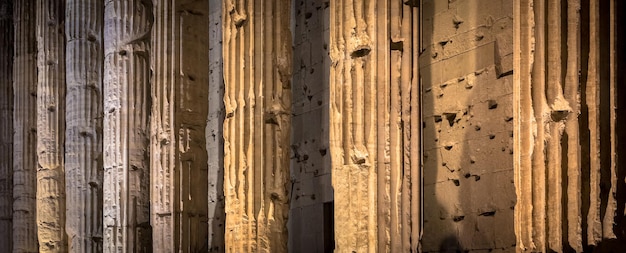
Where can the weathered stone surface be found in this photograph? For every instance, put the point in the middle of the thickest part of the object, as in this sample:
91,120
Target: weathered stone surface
310,218
257,100
126,208
6,125
178,157
565,166
83,139
375,126
25,125
467,115
214,131
51,126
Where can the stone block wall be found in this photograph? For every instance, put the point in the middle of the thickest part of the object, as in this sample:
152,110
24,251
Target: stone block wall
310,157
466,67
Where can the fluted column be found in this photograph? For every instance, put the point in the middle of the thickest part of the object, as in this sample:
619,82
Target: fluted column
257,100
6,125
375,125
25,125
51,125
564,129
178,157
126,209
83,137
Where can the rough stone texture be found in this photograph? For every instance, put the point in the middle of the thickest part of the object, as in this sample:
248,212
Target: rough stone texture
51,126
178,157
126,210
310,228
25,125
83,139
565,104
375,126
257,100
214,130
467,115
6,126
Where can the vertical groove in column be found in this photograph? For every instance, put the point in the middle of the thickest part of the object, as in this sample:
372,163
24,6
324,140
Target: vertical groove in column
568,132
611,208
6,125
178,122
558,108
381,57
25,125
594,224
374,117
541,113
415,148
51,126
524,139
257,100
126,211
572,94
83,141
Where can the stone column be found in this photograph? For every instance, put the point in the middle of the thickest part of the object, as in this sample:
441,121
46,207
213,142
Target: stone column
25,125
51,125
564,128
375,125
83,139
178,156
257,100
126,210
214,131
6,126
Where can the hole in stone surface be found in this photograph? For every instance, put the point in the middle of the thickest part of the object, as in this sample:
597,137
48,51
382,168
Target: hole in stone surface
271,120
558,115
91,37
456,182
323,152
458,218
412,3
397,46
437,118
360,52
450,117
488,213
122,52
492,104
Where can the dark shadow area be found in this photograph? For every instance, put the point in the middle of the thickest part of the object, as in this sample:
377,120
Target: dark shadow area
311,214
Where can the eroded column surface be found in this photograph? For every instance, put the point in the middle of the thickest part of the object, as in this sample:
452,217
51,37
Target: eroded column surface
257,100
25,125
374,125
565,162
51,125
126,203
6,126
83,139
214,131
178,157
